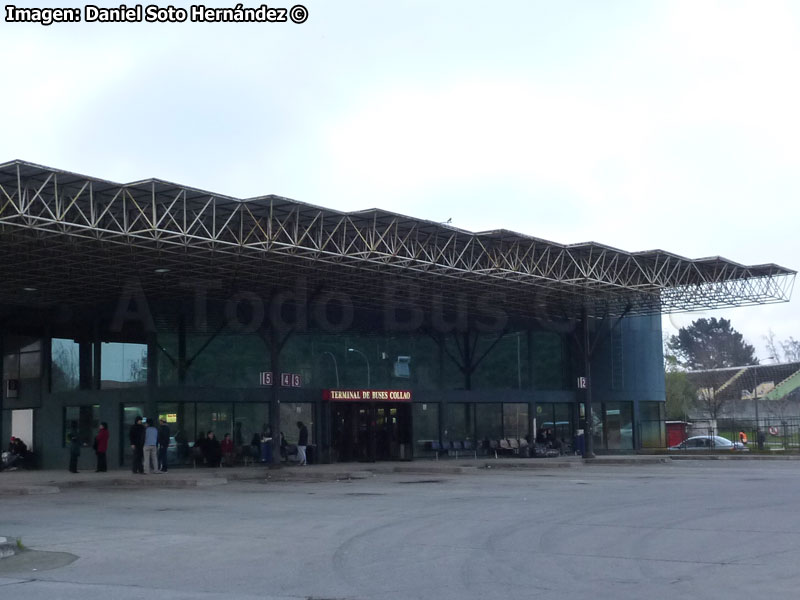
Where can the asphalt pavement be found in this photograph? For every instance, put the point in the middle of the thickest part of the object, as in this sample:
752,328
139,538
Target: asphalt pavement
713,529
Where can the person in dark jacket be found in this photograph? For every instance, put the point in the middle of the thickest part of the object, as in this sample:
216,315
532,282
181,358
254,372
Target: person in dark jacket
136,437
101,447
74,452
302,442
211,450
255,446
163,444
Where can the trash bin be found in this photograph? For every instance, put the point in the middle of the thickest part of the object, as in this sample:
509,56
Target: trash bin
266,452
311,455
580,443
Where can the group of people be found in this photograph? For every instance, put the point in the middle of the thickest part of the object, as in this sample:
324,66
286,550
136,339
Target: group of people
149,443
100,447
260,448
16,455
210,452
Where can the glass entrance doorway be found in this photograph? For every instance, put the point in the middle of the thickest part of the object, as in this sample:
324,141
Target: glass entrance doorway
368,432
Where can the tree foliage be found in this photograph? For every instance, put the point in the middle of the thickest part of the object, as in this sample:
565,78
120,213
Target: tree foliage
711,344
782,351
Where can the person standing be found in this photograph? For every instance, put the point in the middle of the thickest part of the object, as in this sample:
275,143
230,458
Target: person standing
74,452
150,448
227,450
136,437
101,447
302,442
163,444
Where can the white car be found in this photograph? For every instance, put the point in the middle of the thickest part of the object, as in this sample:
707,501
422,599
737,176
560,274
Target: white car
709,442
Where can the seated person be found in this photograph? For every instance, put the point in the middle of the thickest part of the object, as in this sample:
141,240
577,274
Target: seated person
17,452
212,451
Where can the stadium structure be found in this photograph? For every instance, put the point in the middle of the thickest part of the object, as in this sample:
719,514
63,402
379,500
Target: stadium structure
392,338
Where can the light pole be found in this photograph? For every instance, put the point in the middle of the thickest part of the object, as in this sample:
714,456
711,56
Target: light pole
335,366
365,360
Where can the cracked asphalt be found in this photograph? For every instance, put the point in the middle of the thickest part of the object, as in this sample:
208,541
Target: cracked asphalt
716,529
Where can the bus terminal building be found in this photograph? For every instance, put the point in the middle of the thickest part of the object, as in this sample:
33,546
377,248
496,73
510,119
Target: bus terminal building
388,336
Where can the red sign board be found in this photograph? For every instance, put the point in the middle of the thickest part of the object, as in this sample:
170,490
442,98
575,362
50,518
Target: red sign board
366,395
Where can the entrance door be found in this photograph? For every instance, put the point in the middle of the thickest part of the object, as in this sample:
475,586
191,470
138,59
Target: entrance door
369,431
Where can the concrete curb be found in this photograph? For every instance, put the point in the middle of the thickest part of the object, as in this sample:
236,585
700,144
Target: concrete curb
607,460
539,464
316,476
29,490
8,547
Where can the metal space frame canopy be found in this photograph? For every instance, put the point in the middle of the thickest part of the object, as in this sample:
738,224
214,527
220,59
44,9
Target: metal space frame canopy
54,224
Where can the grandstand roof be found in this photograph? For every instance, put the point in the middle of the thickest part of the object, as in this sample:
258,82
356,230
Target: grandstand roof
73,239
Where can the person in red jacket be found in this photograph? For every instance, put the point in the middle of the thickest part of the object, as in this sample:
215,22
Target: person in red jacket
227,450
101,447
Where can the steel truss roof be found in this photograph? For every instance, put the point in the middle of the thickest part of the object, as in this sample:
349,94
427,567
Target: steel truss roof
54,224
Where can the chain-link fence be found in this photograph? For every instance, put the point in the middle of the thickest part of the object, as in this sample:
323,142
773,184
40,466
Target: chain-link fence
766,435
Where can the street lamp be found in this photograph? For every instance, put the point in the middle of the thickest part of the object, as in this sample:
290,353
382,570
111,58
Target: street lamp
335,366
365,360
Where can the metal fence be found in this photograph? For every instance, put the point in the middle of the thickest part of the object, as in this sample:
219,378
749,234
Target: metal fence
765,435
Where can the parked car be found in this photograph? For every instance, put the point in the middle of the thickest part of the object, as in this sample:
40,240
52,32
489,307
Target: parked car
709,442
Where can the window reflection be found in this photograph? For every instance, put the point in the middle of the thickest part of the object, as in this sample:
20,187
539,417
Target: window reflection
123,365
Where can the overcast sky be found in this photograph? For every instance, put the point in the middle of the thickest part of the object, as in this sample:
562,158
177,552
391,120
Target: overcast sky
641,125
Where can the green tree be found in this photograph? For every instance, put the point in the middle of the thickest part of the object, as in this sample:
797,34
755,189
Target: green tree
711,344
680,392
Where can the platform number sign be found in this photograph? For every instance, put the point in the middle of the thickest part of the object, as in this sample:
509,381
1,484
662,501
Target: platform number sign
290,380
581,383
266,378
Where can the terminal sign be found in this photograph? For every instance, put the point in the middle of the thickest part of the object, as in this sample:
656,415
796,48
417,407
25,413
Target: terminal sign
367,395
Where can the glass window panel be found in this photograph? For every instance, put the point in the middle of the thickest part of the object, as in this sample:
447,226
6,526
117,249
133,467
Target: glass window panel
489,421
652,424
123,365
291,413
227,360
30,345
167,369
548,360
14,344
216,417
30,365
564,429
426,426
64,365
619,425
181,422
597,426
11,366
460,423
81,421
249,419
506,364
515,420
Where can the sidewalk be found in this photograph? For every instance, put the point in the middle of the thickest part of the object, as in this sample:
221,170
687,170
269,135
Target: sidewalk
23,482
